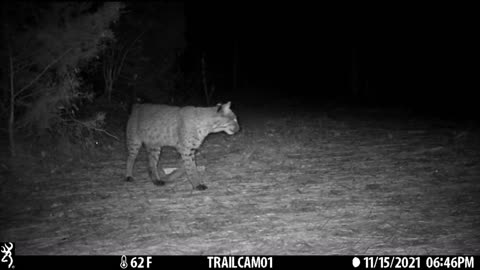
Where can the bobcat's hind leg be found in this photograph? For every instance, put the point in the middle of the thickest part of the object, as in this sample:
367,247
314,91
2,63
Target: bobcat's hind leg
153,157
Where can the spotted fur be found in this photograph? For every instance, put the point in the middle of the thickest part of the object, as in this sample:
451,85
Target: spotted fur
183,128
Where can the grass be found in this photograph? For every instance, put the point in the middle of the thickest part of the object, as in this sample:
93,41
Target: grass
296,183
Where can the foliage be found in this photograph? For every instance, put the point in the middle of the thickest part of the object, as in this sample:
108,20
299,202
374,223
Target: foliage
48,46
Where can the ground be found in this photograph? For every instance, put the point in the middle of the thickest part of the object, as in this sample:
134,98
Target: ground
291,182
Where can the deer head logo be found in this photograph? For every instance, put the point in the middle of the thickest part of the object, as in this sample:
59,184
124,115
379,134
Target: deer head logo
7,254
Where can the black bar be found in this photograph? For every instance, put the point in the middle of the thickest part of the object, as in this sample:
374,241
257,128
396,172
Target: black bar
203,262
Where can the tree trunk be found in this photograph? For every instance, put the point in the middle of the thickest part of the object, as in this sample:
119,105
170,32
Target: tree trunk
204,80
108,78
11,73
355,90
109,92
235,63
11,119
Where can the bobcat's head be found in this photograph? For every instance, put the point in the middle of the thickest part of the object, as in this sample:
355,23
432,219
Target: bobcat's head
225,120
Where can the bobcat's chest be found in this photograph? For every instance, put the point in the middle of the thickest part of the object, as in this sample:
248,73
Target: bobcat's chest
194,138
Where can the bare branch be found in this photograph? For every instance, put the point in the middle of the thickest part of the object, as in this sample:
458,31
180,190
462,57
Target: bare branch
41,73
128,50
20,100
95,128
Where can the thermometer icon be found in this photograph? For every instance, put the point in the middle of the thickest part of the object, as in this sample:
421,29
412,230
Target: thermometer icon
123,262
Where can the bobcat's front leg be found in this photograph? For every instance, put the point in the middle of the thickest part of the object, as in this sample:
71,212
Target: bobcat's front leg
191,169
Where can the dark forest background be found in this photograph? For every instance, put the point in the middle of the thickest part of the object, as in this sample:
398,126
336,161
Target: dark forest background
71,70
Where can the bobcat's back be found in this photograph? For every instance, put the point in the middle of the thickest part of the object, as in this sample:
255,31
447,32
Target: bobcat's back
154,124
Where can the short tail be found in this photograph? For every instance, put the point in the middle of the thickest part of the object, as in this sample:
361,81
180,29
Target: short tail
173,176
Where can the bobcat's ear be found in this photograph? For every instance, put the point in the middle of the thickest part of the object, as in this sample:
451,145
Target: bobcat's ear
226,106
223,108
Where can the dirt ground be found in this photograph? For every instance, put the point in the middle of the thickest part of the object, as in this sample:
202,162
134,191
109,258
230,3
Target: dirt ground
289,183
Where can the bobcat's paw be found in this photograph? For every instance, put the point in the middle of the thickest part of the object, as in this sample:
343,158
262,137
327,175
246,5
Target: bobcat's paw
201,187
159,183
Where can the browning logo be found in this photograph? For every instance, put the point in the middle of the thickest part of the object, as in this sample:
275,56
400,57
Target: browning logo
7,249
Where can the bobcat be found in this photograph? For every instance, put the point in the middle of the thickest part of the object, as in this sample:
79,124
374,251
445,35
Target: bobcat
183,128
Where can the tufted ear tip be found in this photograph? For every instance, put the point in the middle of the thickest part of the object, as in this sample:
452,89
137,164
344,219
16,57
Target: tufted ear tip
227,105
223,107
